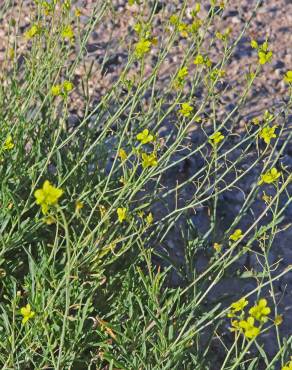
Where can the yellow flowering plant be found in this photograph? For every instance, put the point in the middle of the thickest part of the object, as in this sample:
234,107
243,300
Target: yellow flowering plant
142,47
27,313
48,196
288,366
67,33
8,144
250,330
149,160
236,235
270,176
268,133
180,78
260,311
217,247
122,154
251,325
237,306
216,138
145,137
128,257
264,55
62,89
186,109
33,31
288,77
122,214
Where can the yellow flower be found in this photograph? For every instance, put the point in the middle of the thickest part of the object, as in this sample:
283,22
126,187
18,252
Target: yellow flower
182,73
236,235
254,44
63,89
264,56
77,12
122,214
255,121
186,109
8,144
144,137
149,218
249,329
180,78
47,196
49,220
216,138
235,325
183,29
67,86
79,205
260,311
278,320
193,27
268,116
197,8
239,305
33,31
199,59
288,366
142,47
217,73
288,77
56,90
267,198
270,176
149,160
27,313
122,154
67,33
217,247
223,36
268,133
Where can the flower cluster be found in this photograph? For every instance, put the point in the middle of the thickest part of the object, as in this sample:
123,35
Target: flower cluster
223,36
264,54
180,77
67,33
202,60
34,30
186,29
251,325
8,144
142,47
62,90
217,74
